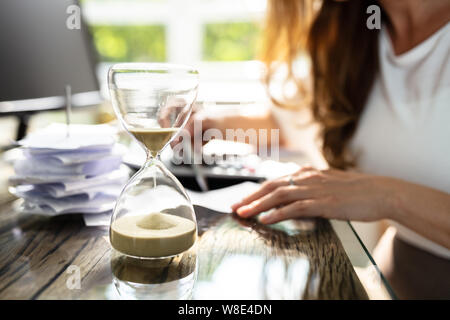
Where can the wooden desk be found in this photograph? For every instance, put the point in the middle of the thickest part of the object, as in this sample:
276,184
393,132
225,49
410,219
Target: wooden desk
233,258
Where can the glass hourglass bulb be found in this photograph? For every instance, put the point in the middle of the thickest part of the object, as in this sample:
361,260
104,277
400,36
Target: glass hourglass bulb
153,216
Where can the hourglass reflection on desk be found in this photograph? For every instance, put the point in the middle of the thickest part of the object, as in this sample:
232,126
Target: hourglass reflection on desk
153,217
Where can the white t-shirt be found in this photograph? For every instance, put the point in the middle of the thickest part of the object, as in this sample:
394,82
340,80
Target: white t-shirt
404,131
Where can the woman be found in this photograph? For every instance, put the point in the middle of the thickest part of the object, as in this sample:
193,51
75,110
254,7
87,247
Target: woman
381,98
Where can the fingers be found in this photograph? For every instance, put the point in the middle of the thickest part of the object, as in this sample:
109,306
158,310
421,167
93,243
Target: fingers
187,133
297,209
271,185
313,194
280,196
304,168
308,177
266,188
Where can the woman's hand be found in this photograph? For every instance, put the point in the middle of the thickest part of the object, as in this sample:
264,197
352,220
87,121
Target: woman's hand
197,118
225,120
314,193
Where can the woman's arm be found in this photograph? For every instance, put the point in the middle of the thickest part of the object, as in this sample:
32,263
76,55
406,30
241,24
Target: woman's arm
345,195
422,209
236,121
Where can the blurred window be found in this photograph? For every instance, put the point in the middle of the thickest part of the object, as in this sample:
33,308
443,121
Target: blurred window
183,31
130,43
234,41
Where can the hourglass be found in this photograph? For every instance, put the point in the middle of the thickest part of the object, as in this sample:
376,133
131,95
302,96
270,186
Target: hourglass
155,279
153,217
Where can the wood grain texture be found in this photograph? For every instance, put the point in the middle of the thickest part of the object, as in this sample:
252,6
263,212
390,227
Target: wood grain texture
232,258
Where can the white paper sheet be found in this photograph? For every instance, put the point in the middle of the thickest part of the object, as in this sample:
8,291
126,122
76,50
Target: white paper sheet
54,138
219,200
97,220
222,199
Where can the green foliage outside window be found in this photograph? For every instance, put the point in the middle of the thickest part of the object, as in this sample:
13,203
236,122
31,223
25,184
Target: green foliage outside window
130,43
233,41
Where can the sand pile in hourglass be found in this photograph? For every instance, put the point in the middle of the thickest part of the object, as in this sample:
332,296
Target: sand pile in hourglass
154,235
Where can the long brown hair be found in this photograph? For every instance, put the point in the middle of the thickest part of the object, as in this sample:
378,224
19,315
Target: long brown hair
343,55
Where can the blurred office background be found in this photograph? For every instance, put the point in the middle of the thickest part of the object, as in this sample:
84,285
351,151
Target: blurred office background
219,37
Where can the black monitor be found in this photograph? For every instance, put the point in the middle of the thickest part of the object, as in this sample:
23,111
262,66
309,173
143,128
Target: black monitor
40,55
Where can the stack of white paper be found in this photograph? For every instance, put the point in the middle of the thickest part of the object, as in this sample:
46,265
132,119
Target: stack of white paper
76,173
